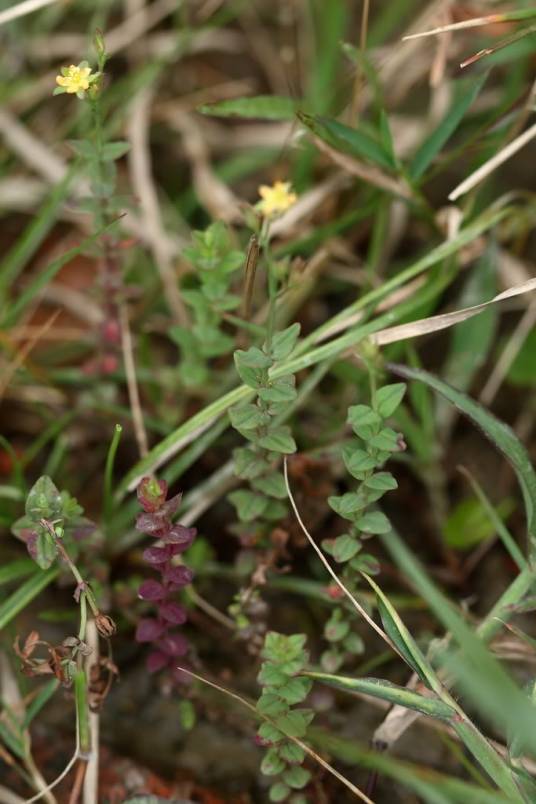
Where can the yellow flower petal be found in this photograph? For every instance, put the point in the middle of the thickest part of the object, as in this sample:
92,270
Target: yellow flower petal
275,199
74,79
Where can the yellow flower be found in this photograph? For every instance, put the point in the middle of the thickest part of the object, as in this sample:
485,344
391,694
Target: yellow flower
75,79
275,199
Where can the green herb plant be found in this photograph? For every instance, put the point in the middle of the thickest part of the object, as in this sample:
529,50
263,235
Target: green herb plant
210,299
364,457
284,658
52,525
97,157
261,421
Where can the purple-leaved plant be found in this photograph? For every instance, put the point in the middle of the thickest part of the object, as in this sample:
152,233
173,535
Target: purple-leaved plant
161,630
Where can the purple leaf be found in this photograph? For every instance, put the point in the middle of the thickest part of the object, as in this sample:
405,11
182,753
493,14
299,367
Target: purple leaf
149,630
181,536
151,590
174,645
171,506
178,576
30,537
173,613
157,661
156,555
154,524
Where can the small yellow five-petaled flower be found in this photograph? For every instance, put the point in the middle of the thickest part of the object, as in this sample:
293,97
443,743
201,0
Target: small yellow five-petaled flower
275,199
76,79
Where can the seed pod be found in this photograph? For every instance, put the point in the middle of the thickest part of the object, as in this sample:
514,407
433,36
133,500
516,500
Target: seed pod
105,625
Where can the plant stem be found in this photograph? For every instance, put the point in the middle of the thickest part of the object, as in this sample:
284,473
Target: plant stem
108,472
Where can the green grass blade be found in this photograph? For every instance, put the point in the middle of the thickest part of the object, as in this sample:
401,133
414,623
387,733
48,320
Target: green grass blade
261,107
348,140
16,569
34,234
490,688
108,473
441,252
307,356
386,691
43,696
25,594
502,436
402,638
42,279
498,524
471,340
14,742
431,786
446,128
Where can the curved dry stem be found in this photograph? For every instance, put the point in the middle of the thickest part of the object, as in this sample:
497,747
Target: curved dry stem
57,780
357,606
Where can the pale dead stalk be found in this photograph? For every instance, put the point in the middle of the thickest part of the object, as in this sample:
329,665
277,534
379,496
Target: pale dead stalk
509,354
492,164
475,22
91,779
22,9
132,383
25,350
143,184
357,606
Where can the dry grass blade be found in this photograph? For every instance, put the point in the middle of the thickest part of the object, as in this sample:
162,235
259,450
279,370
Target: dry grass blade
509,40
355,790
11,698
143,184
214,194
23,353
22,9
307,204
492,164
515,342
7,797
132,383
475,22
357,606
434,323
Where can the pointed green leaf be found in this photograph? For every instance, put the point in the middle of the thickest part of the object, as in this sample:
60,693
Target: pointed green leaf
249,506
434,142
262,107
43,501
389,398
284,342
273,485
345,547
279,439
386,691
373,522
381,481
400,636
348,140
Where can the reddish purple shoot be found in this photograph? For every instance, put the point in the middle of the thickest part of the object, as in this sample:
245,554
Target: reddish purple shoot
161,630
